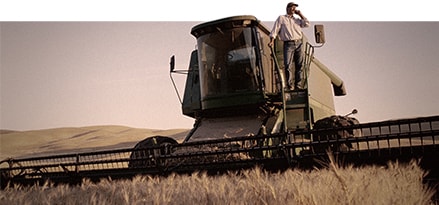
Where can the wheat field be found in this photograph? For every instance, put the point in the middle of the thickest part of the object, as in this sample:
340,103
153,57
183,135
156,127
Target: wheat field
395,184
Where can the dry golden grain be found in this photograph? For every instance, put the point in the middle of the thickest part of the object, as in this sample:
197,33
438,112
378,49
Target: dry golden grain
396,184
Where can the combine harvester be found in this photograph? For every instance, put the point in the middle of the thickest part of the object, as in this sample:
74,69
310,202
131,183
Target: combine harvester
245,117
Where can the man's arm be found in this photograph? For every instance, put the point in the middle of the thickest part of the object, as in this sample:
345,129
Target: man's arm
305,22
274,32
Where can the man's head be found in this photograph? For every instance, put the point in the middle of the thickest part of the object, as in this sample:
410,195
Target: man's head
291,4
291,7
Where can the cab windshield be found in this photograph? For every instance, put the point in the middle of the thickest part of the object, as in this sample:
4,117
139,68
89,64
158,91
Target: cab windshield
228,62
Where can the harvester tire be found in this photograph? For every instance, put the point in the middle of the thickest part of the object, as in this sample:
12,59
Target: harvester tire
328,131
146,151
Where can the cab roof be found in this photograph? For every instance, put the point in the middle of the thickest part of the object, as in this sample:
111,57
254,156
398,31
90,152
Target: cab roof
229,22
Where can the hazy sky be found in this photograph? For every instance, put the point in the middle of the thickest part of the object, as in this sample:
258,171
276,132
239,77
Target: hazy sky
196,10
69,74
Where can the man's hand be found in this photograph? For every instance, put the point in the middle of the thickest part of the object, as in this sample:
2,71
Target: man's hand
271,44
297,12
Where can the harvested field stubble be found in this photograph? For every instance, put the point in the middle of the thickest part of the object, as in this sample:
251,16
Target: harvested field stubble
396,184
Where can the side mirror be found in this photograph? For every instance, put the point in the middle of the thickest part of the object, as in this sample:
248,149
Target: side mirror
319,34
172,64
354,111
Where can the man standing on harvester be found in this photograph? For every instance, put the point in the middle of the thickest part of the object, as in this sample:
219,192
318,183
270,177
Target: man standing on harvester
289,29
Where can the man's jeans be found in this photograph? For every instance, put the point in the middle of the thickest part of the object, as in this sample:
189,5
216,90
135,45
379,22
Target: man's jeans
293,60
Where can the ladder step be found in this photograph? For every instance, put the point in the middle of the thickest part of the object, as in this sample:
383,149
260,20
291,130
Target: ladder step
296,106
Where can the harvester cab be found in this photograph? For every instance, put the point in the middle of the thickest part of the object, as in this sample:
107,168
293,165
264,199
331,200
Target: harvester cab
235,83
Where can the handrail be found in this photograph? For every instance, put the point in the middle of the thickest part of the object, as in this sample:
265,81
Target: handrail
283,87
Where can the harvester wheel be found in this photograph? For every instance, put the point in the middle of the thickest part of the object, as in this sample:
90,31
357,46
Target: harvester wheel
147,150
326,125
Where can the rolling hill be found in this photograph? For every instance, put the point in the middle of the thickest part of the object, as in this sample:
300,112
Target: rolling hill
17,144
